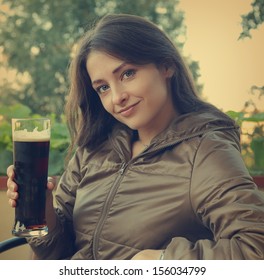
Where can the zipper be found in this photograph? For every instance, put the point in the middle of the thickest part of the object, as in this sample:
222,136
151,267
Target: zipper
107,204
123,167
121,171
113,190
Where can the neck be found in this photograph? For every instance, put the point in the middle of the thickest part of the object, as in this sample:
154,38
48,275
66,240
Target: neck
143,144
147,134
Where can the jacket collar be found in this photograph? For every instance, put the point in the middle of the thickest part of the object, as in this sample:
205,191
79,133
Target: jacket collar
182,128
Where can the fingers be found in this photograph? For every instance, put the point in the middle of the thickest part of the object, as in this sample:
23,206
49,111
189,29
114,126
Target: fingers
12,194
12,203
10,172
11,185
51,183
12,188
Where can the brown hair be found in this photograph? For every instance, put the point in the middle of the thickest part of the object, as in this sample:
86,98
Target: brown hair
134,40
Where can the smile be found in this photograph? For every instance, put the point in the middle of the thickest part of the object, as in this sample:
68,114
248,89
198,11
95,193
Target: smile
128,110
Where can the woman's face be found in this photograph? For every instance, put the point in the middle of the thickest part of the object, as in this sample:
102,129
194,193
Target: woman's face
136,95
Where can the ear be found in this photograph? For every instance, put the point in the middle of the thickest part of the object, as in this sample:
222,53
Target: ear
167,68
170,72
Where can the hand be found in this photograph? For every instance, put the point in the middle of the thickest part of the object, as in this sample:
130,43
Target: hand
12,188
12,194
148,255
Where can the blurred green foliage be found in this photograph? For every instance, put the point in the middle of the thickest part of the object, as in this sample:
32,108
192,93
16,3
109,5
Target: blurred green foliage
253,149
37,39
58,144
253,19
252,143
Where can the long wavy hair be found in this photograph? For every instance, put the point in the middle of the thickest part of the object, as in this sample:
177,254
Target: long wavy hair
134,40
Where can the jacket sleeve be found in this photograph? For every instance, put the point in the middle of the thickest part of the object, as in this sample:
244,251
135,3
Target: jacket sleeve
59,244
226,201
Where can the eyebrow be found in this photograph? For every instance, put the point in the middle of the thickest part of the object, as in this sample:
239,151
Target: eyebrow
117,69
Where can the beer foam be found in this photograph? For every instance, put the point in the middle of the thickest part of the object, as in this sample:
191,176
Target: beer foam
31,136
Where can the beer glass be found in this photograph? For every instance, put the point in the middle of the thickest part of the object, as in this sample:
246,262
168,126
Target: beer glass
31,139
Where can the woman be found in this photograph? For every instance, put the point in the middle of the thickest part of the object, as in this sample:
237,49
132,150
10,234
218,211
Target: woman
157,173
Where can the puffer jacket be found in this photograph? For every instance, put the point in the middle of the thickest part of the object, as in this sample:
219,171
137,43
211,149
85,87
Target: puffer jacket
188,193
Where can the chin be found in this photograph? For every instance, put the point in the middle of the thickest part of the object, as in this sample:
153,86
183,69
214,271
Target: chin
134,124
130,125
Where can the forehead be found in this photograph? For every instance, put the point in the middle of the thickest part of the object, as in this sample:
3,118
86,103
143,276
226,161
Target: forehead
100,65
97,59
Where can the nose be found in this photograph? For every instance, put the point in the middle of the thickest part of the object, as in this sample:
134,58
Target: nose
119,95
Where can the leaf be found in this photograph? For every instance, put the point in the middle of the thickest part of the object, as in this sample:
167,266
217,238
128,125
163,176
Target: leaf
235,115
238,117
257,145
258,117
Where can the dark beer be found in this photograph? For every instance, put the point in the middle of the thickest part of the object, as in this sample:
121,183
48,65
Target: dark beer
31,171
31,140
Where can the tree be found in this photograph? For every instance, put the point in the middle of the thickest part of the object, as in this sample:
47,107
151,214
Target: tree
253,148
37,38
253,19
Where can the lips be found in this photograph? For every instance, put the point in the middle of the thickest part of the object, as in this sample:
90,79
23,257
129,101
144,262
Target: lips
127,110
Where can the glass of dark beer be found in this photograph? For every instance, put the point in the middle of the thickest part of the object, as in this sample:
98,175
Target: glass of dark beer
31,140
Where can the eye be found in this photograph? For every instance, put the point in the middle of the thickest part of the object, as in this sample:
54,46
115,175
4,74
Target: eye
128,74
102,89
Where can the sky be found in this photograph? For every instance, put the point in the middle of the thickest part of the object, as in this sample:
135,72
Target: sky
228,66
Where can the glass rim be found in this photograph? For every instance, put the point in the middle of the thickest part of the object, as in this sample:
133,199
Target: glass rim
28,119
31,129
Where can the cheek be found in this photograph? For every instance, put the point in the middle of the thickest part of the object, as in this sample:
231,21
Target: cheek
106,104
157,91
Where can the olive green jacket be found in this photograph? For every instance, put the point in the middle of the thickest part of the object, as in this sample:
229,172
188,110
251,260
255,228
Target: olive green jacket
188,193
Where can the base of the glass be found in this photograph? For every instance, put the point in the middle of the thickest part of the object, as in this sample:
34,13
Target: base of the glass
36,231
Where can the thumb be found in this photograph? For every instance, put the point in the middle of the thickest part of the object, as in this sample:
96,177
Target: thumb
51,183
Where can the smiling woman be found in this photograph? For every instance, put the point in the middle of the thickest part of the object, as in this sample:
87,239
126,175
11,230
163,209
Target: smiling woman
136,95
157,172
